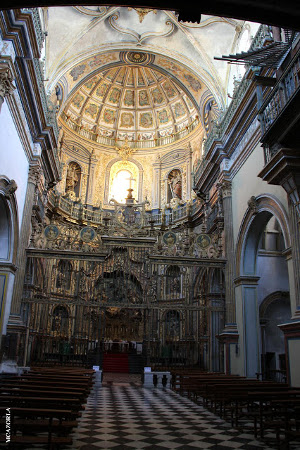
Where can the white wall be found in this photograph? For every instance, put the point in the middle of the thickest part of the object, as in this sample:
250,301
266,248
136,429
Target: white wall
13,161
246,183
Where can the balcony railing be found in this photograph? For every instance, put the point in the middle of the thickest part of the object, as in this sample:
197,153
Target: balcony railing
278,99
87,213
137,144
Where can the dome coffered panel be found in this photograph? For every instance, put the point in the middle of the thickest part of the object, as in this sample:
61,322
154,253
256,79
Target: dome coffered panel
132,99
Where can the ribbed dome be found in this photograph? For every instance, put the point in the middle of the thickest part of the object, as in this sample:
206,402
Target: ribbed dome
136,102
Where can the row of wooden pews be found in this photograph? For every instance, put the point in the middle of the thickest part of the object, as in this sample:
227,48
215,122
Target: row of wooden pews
267,406
42,406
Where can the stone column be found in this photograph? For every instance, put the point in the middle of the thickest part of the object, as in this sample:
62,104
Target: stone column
6,78
33,179
229,253
295,244
189,168
247,359
156,199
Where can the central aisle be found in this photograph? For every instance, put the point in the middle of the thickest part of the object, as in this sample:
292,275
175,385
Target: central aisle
121,414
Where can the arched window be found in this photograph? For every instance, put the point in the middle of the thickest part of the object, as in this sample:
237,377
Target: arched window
122,181
4,230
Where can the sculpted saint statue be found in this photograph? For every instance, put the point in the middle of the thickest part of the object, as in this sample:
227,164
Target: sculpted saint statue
72,178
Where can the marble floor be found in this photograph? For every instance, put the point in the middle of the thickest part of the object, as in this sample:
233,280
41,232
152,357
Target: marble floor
121,414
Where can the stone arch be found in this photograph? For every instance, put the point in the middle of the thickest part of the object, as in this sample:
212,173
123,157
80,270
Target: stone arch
260,210
252,274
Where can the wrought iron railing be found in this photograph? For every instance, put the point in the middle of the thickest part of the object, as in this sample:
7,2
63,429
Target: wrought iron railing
280,96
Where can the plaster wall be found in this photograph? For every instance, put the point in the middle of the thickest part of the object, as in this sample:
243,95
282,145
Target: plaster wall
293,352
14,164
273,274
246,183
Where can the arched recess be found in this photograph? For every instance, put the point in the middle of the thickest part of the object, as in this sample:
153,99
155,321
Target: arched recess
258,214
9,236
116,165
73,180
274,309
259,273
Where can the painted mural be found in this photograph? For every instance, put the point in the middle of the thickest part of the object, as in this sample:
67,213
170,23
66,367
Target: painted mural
158,98
146,120
143,98
163,116
169,89
109,116
179,110
102,90
77,100
127,120
129,98
115,95
92,110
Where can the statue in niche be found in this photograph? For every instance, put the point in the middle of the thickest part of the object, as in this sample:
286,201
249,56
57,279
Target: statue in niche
175,184
72,179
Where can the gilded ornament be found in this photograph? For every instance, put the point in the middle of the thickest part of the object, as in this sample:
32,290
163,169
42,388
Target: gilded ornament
142,12
125,151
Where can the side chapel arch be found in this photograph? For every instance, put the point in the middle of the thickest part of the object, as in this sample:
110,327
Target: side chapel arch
259,212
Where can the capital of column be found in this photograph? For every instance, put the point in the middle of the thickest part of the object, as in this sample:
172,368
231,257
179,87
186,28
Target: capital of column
6,78
34,174
226,188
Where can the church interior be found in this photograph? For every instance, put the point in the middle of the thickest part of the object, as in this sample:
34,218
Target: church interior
149,201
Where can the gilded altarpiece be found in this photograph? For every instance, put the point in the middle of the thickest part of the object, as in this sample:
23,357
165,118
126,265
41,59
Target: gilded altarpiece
90,286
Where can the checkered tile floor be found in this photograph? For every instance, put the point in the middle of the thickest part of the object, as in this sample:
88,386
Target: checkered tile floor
124,415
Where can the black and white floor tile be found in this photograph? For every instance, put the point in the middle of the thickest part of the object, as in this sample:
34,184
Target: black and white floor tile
124,415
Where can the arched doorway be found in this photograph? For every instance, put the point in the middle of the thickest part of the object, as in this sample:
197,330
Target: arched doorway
262,270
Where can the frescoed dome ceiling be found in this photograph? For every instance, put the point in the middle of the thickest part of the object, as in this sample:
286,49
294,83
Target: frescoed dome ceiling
133,101
139,74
